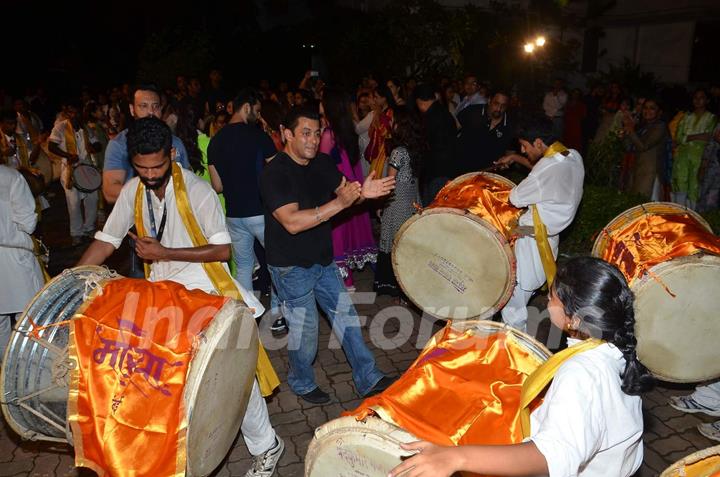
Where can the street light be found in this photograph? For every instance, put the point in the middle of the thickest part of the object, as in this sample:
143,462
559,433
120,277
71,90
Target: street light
540,41
529,48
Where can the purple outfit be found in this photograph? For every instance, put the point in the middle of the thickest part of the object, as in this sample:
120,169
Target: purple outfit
353,243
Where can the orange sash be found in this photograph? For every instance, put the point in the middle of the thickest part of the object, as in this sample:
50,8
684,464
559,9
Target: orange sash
131,345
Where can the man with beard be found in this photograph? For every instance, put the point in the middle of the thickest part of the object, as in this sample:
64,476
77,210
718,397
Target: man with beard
485,135
171,195
236,156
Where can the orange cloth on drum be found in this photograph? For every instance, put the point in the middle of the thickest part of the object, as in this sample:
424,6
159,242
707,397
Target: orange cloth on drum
652,239
482,196
464,388
132,344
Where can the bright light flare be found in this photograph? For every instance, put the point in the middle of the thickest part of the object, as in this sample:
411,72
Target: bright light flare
529,47
540,41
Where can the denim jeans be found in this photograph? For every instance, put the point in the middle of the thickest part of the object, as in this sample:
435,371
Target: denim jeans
243,232
298,288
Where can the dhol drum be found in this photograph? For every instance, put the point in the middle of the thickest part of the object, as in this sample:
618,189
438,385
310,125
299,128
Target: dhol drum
86,178
45,166
454,259
483,362
704,463
671,259
34,178
37,369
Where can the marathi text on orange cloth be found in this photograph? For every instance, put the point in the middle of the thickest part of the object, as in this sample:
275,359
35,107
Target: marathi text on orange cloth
652,239
483,196
464,388
132,344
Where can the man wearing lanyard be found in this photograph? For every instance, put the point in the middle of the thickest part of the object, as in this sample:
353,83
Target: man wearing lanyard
171,195
552,192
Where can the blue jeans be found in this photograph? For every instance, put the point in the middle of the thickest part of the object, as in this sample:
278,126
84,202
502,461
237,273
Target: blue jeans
297,289
243,232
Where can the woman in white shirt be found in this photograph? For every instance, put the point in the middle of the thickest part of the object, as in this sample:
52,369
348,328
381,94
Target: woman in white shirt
590,422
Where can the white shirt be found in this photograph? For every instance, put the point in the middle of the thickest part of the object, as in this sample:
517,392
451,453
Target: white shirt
57,135
208,213
554,103
21,276
555,186
586,425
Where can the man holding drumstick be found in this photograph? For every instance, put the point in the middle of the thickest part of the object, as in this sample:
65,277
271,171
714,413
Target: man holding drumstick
186,230
552,192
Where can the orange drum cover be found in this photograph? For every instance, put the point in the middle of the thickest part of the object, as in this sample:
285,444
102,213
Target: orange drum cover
704,463
670,257
454,259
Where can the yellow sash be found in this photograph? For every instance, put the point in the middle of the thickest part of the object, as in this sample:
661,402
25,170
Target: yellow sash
541,236
541,377
220,278
21,147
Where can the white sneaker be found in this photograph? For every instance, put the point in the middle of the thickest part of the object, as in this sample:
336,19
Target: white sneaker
264,464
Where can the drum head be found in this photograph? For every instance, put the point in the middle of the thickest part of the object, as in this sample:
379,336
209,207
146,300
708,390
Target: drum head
87,178
650,208
218,386
496,177
453,265
677,335
704,463
352,448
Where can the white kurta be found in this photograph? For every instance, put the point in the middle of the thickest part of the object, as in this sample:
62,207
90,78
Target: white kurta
21,277
209,215
555,185
586,425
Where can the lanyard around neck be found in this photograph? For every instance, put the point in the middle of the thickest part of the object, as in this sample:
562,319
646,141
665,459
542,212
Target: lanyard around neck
155,233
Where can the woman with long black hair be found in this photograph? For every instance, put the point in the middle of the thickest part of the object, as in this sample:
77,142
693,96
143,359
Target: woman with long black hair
590,421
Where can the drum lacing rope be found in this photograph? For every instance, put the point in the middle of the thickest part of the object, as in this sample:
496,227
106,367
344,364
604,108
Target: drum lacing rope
94,282
659,280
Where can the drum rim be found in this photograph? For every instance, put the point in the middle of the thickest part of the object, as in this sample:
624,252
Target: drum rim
693,458
85,189
659,269
646,209
470,175
370,426
537,348
195,374
18,427
509,254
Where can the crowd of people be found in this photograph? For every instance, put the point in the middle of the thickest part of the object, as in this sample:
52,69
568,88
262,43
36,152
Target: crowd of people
313,183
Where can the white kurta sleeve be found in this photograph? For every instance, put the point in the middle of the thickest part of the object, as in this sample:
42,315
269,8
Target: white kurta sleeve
211,218
526,193
121,218
567,427
23,205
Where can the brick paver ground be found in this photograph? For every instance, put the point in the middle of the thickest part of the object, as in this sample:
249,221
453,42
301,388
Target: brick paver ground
669,434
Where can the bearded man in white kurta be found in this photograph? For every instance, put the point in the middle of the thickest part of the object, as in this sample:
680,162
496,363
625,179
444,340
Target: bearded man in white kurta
21,276
554,187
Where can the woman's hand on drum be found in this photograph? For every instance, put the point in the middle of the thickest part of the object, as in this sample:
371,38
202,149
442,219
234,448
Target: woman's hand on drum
373,188
430,461
148,248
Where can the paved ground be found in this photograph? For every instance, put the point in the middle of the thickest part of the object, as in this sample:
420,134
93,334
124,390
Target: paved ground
669,435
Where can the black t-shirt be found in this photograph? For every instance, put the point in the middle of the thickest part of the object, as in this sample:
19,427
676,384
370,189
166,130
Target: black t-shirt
283,182
440,133
478,146
238,152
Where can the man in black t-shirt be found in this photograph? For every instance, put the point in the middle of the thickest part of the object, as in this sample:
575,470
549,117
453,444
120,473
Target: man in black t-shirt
301,190
485,135
236,157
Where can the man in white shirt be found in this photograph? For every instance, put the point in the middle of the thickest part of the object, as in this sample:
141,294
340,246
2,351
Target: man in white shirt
473,94
68,141
555,187
170,248
21,276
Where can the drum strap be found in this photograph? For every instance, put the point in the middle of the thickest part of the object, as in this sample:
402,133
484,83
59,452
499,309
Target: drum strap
541,377
220,278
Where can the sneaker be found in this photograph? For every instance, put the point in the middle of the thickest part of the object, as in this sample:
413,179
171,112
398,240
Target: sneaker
689,405
711,430
316,396
384,383
279,327
265,463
